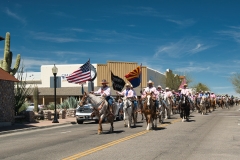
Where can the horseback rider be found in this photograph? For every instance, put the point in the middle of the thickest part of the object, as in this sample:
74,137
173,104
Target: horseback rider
168,94
150,89
105,92
128,93
134,97
213,96
160,95
184,91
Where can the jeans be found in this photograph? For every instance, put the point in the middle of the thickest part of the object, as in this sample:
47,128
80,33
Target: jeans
109,100
135,104
157,104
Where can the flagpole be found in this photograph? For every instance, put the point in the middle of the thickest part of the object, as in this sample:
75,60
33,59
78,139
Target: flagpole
141,77
91,83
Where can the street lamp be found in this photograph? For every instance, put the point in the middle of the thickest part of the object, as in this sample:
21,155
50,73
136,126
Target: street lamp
54,71
1,38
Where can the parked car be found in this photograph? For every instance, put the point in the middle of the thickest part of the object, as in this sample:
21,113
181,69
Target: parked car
84,114
31,107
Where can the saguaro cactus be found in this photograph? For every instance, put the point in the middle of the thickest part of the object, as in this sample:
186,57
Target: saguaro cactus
6,63
35,98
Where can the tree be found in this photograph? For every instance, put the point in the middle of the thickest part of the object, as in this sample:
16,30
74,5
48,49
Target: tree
172,80
201,87
20,90
235,79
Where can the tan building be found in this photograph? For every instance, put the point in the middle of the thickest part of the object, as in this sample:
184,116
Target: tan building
119,69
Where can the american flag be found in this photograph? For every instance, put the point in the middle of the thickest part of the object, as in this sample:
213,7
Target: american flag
81,75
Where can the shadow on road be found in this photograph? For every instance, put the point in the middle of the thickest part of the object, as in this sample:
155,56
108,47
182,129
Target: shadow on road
114,132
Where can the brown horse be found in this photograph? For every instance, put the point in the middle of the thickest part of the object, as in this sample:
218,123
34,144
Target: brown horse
220,102
213,103
140,106
149,110
100,111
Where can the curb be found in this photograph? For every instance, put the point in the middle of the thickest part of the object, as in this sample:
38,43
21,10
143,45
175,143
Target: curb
35,128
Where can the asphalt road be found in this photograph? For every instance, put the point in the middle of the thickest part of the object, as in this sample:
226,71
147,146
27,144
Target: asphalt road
212,136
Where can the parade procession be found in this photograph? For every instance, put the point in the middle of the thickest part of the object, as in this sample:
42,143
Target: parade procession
154,103
120,80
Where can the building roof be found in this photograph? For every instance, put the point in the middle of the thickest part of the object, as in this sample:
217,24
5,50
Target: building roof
6,76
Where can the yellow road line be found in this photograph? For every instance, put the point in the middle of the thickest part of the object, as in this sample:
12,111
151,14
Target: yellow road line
90,151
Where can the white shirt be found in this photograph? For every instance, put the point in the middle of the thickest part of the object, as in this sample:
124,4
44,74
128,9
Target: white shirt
150,90
167,94
185,91
103,91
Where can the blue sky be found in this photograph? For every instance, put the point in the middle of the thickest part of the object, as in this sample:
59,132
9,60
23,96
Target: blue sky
199,38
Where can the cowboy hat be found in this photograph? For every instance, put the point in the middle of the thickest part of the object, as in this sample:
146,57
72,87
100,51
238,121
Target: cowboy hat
104,81
180,89
159,86
185,84
166,88
127,85
150,82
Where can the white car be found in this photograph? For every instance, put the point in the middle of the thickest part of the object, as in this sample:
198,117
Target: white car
84,114
31,107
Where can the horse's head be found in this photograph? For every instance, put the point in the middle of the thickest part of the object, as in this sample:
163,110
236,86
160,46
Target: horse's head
84,99
148,99
184,99
126,102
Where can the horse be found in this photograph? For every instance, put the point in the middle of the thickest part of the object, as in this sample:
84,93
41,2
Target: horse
175,107
231,101
185,108
213,103
220,102
203,105
140,106
162,113
129,112
100,112
225,102
149,110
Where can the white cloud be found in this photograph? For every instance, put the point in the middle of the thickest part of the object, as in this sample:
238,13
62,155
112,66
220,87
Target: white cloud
183,23
233,33
15,16
183,47
192,69
52,38
199,48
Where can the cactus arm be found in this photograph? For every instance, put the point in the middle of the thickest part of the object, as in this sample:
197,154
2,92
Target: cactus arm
16,66
5,65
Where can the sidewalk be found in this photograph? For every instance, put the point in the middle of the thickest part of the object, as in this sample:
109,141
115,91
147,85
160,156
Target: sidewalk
22,126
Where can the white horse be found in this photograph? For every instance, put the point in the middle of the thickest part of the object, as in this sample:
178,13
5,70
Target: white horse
128,112
100,111
165,108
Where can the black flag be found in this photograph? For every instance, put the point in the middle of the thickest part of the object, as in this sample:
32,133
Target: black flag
117,82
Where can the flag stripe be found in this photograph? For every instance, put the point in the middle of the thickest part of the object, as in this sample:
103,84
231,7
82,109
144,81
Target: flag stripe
134,77
81,75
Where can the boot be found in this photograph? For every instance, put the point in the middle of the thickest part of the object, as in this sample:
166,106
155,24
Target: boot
101,105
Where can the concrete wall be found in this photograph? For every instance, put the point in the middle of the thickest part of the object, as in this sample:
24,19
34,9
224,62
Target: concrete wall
157,77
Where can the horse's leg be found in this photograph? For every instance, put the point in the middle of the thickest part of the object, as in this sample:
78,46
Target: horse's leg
100,124
155,117
129,117
134,117
148,122
124,117
111,122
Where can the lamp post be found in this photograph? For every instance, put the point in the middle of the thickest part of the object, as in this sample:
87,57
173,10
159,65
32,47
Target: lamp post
1,38
54,71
